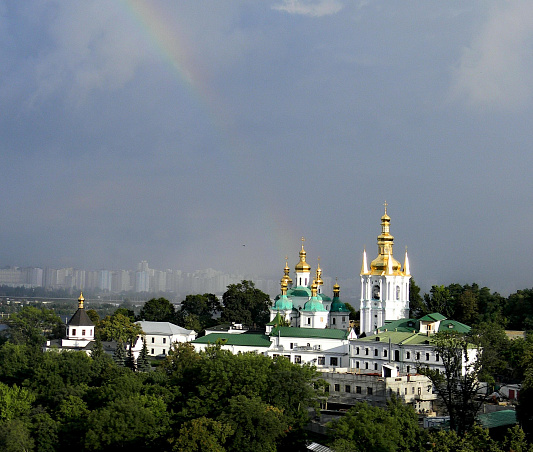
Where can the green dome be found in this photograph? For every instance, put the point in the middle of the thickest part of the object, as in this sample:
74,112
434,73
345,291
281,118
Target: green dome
283,303
313,305
338,306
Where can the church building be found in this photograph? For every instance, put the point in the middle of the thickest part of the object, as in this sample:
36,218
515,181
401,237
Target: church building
303,304
385,285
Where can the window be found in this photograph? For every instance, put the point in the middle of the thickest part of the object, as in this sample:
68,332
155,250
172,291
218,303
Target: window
347,388
358,389
164,340
164,352
321,360
369,391
153,352
366,365
337,387
405,391
437,357
385,353
357,364
275,355
83,332
333,361
153,340
366,351
344,319
326,388
309,321
288,357
413,390
333,320
408,355
357,350
291,346
408,369
298,359
376,351
74,331
375,366
427,356
418,356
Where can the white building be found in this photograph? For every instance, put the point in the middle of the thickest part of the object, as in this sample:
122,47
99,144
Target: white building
160,336
404,346
385,285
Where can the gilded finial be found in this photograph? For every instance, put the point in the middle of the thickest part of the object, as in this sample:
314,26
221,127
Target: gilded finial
80,300
385,204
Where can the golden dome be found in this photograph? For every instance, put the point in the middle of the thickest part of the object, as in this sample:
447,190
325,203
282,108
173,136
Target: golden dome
302,266
286,272
80,300
318,278
336,289
385,243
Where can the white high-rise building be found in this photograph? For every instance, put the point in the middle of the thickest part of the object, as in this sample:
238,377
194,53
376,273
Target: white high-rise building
385,285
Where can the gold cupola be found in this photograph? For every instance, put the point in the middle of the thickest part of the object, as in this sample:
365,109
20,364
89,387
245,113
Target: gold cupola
302,266
318,279
80,300
336,289
381,265
286,271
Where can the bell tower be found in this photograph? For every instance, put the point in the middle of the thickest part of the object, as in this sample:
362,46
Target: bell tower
385,285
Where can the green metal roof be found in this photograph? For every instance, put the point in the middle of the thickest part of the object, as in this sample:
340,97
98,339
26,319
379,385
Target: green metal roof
244,339
398,338
299,292
323,333
283,303
404,325
433,317
313,305
338,306
453,325
276,320
498,418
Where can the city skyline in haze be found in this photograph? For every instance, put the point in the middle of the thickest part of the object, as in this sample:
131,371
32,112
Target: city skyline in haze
216,135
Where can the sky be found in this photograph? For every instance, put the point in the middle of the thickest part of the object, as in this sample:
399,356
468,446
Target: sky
208,134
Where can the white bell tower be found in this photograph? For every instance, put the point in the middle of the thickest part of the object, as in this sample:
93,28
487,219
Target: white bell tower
385,286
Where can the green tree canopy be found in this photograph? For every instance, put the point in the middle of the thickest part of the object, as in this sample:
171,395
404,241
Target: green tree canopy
157,310
34,326
119,328
244,303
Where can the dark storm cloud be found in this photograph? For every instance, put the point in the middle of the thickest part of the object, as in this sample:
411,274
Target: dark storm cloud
298,118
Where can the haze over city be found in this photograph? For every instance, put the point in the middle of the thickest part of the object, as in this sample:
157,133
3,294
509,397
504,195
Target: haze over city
216,134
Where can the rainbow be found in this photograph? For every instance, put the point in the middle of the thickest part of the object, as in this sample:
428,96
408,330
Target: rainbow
175,48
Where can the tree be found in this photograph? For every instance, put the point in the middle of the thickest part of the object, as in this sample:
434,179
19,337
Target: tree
15,437
202,435
118,328
366,428
257,425
197,311
34,326
157,310
119,355
417,307
143,361
458,386
15,402
93,315
243,303
494,346
439,300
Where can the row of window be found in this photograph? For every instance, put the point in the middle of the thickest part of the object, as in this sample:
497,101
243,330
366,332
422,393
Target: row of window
376,366
321,360
369,391
418,355
82,332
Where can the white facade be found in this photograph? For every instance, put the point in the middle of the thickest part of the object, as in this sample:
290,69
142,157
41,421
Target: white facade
160,336
385,285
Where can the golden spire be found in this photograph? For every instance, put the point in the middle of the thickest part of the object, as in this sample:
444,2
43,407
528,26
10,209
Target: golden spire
385,244
406,269
364,264
302,266
313,289
286,272
283,286
336,289
318,278
80,300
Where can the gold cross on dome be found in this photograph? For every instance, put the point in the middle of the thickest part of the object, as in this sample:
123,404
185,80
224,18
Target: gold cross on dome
385,204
